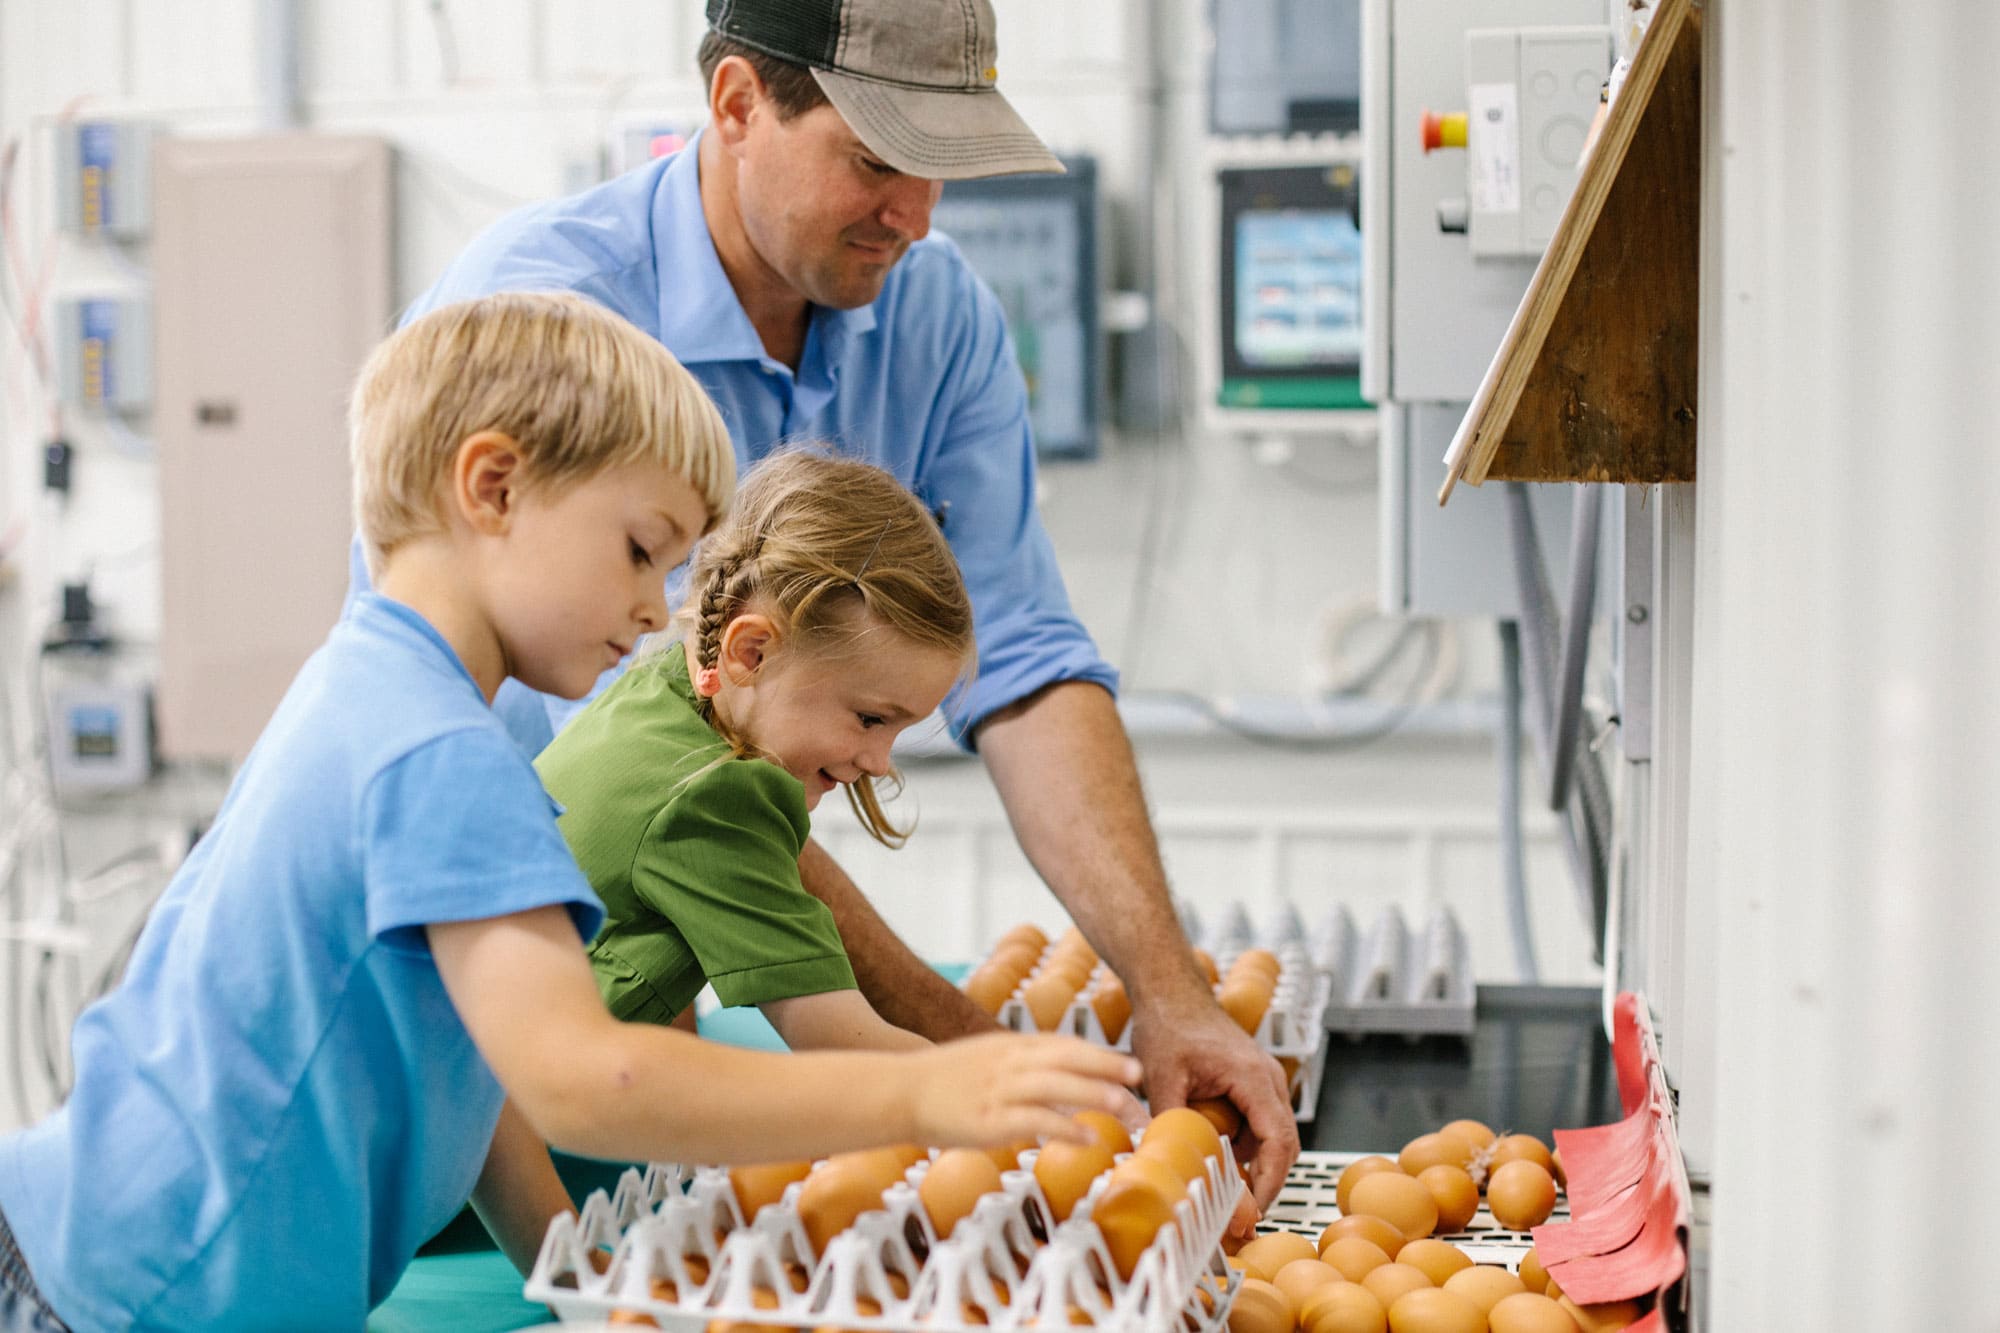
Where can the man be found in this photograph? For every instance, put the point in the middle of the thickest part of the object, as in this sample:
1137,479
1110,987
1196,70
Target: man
782,257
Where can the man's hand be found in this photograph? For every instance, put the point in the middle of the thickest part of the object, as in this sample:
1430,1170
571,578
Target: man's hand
1195,1052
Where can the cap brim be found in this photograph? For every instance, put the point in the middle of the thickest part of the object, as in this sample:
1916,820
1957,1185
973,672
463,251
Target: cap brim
943,136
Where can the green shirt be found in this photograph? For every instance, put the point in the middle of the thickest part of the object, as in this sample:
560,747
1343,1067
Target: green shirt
694,852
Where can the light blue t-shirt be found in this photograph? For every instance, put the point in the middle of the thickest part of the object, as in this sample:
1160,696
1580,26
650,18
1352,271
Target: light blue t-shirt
922,383
279,1103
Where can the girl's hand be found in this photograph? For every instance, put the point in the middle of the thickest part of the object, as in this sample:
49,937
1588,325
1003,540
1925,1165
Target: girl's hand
985,1091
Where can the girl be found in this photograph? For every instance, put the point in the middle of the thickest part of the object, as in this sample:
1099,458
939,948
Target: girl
824,618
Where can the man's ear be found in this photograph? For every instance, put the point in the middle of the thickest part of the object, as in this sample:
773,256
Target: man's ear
486,480
747,642
734,94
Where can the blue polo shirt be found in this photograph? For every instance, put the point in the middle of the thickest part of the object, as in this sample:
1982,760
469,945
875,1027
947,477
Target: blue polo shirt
922,382
279,1103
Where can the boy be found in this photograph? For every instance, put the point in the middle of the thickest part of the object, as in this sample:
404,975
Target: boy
371,969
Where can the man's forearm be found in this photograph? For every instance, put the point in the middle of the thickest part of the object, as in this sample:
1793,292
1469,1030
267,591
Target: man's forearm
904,989
1066,774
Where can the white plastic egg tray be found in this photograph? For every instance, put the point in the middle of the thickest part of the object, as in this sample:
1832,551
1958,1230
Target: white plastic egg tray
1306,1205
1393,979
992,1261
1293,1026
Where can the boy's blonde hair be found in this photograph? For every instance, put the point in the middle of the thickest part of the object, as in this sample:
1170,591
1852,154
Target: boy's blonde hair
576,387
832,549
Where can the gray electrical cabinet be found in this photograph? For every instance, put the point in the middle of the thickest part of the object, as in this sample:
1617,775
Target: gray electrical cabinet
1450,238
273,271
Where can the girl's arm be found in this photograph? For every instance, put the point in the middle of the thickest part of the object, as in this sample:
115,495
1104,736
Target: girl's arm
837,1020
518,1190
596,1087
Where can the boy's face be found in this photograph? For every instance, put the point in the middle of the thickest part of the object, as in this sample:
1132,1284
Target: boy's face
581,573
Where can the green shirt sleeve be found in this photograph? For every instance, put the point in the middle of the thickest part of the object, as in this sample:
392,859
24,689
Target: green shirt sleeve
721,862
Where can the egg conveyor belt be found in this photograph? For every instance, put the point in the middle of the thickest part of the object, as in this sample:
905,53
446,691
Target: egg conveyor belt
683,1254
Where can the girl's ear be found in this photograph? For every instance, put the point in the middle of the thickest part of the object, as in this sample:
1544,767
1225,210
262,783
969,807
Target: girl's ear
747,642
486,481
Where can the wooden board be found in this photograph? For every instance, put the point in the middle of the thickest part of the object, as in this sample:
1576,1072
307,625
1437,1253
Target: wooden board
1595,380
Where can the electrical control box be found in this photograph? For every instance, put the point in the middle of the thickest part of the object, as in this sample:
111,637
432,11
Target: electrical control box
100,735
1530,97
1033,239
104,178
104,352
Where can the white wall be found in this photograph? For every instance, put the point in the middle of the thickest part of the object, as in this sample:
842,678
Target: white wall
1202,564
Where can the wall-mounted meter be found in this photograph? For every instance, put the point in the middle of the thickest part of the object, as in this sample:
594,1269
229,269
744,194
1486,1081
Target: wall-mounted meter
104,178
104,352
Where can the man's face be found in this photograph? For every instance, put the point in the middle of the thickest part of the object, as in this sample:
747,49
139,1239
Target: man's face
824,213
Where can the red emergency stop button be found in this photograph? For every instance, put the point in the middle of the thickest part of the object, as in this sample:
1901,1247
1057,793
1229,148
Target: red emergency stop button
1446,131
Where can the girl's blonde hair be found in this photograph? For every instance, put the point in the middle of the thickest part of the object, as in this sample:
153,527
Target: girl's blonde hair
576,387
832,549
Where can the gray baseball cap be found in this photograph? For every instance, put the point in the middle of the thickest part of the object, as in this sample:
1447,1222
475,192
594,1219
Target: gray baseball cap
914,79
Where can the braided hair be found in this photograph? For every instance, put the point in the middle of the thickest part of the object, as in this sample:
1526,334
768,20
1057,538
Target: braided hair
830,548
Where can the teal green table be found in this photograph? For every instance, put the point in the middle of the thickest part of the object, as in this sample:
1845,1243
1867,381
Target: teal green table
461,1284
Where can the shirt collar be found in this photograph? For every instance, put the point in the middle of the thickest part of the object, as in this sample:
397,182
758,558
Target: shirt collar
700,317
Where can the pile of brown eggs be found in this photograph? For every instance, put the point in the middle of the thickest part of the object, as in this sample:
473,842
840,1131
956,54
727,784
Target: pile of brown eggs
1380,1268
1142,1188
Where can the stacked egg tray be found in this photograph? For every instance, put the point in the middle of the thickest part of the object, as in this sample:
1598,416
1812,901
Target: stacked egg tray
1393,979
682,1253
1307,1204
1292,1030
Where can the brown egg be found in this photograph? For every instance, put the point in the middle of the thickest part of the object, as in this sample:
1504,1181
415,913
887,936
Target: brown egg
1520,1148
909,1154
1170,1132
1158,1175
1008,1155
1533,1276
1343,1189
1400,1200
1456,1197
1521,1195
1344,1308
1245,1002
841,1189
1027,933
1073,970
1484,1285
1018,957
1301,1277
1065,1170
1268,1253
1371,1229
1129,1214
757,1186
1048,998
1107,1129
1391,1281
1552,1290
1434,1311
1074,945
1556,1167
1259,962
957,1180
632,1317
1220,1112
989,988
1354,1258
1205,962
1428,1150
1438,1260
1260,1308
1605,1318
1529,1313
1112,1005
1472,1131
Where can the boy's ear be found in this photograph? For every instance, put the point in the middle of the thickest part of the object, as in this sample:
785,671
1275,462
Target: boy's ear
746,643
486,479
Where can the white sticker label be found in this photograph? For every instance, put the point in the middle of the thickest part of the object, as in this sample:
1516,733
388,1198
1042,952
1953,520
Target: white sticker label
1493,146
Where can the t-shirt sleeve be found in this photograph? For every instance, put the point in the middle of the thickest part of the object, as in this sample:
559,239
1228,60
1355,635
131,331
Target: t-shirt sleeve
984,469
721,862
461,829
